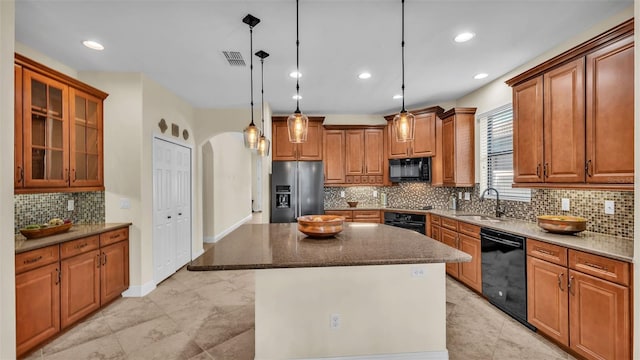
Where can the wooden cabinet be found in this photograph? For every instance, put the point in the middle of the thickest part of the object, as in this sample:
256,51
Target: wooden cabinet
58,135
424,142
583,303
347,214
284,150
573,115
457,160
366,216
354,155
58,285
450,237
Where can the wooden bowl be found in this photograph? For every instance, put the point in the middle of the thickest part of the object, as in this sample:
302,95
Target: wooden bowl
561,224
48,231
320,226
352,203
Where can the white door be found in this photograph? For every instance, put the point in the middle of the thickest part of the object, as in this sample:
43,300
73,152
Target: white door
171,208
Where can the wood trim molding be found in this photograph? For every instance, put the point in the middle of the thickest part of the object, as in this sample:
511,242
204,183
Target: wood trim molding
49,72
576,186
432,109
353,127
57,190
284,118
458,111
622,30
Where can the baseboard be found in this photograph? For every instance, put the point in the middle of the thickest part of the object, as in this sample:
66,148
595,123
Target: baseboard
425,355
139,290
231,228
197,253
209,239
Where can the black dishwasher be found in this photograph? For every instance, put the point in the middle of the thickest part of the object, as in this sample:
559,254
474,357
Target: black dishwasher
504,272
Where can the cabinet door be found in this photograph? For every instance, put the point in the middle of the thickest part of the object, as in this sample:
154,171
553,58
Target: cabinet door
114,271
528,132
424,143
45,131
37,306
564,123
610,114
450,238
334,157
397,150
374,152
85,139
547,299
18,175
348,214
354,152
448,150
600,318
470,272
80,287
311,149
283,149
435,232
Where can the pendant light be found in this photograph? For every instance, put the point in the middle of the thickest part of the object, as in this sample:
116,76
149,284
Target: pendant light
404,123
263,143
297,123
251,132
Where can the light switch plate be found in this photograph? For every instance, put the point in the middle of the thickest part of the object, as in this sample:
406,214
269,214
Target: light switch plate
341,194
375,193
70,205
565,204
460,195
467,196
609,207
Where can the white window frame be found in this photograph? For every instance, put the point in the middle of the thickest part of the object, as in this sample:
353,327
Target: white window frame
514,194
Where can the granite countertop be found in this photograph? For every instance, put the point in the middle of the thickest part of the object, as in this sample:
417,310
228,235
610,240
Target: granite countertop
263,246
76,232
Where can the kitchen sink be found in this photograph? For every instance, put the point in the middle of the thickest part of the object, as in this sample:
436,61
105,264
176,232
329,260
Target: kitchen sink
484,218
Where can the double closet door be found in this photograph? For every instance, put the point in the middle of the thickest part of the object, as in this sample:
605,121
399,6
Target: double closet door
171,208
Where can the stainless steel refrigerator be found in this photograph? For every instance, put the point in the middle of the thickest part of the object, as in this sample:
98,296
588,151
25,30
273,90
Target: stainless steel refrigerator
297,188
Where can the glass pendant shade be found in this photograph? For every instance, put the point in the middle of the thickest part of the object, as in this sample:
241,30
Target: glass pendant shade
263,146
404,124
297,124
251,136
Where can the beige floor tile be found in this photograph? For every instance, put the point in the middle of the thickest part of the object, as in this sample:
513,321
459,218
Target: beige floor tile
127,312
196,279
177,346
241,347
218,329
507,350
202,356
34,355
245,281
104,348
515,333
146,333
175,299
79,334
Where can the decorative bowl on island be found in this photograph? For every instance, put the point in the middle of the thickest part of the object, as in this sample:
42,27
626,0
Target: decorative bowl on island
561,224
45,230
352,203
320,226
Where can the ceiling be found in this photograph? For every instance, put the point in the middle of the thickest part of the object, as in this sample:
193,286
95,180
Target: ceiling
179,44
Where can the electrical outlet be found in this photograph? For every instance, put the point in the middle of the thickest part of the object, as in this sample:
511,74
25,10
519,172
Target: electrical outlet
467,196
375,193
609,207
565,204
70,205
417,272
460,195
125,203
334,321
341,194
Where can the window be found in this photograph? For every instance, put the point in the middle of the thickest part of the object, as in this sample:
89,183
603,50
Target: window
496,154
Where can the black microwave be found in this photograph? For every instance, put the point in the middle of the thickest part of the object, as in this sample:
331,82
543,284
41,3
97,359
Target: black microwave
417,169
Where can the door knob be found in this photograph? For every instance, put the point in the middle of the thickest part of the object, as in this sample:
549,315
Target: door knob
168,217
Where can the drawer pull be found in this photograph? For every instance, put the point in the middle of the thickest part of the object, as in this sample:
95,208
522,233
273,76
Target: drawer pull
546,252
570,285
596,266
114,236
32,260
80,246
104,259
98,258
560,281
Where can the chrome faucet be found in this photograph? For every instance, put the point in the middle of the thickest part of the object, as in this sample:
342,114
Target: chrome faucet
498,212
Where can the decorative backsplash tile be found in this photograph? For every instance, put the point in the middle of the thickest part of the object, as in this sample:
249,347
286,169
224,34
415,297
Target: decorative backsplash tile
586,203
40,208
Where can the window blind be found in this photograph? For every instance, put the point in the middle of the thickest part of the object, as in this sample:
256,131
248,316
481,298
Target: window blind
496,154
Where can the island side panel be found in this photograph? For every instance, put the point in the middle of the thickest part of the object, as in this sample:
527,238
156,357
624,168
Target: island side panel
384,310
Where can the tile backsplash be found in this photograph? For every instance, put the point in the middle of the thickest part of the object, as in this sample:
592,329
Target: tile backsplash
39,208
586,203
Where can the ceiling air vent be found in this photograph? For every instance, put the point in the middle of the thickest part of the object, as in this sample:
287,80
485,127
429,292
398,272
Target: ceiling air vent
234,58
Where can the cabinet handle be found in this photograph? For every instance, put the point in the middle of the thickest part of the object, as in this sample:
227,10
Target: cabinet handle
546,252
538,170
66,179
75,177
560,276
546,170
587,168
179,214
80,246
596,266
32,260
114,236
104,259
98,260
58,276
21,174
570,284
169,217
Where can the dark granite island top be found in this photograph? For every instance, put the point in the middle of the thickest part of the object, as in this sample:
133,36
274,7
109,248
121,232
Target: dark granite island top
265,246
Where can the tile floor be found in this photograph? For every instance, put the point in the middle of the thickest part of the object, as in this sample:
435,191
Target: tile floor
210,315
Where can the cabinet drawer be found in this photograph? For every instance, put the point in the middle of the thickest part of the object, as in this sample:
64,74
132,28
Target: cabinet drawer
435,219
361,214
75,247
469,229
114,236
449,223
549,252
36,258
348,214
599,266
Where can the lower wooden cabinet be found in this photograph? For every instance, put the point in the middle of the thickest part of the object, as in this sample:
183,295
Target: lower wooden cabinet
367,216
114,271
347,214
80,284
450,237
470,272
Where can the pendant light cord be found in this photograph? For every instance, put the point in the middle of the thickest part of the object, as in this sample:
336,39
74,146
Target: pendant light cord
262,91
298,61
403,109
251,68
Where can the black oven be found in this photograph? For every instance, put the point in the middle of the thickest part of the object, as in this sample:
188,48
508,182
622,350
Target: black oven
415,222
418,169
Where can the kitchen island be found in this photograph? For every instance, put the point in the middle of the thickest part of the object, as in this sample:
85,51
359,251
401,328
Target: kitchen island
371,292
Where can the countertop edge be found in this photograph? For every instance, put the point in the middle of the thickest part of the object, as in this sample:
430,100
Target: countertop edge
34,244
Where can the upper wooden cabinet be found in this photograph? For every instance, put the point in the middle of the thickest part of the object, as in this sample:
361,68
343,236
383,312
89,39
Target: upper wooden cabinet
58,131
354,155
456,158
573,116
284,150
424,142
334,157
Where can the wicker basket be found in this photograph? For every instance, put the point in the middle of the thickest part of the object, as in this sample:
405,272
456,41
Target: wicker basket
48,231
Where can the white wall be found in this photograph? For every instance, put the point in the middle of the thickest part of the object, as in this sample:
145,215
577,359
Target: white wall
7,267
43,59
208,185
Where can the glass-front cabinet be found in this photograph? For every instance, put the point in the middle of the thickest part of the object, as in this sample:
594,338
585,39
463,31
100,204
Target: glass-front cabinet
86,139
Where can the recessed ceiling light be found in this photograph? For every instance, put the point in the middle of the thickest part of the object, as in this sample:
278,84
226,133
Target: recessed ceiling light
364,75
465,36
295,74
93,45
397,96
480,76
296,97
